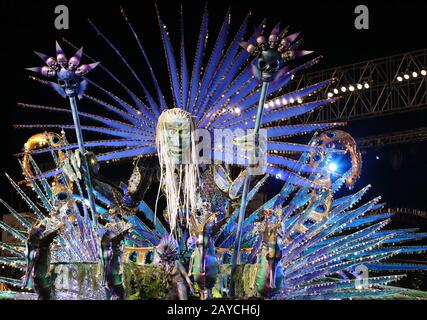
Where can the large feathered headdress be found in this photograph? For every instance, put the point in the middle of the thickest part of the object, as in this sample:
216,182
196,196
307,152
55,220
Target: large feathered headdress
220,94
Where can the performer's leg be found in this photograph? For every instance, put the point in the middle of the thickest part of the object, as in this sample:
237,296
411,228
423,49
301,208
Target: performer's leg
182,290
117,292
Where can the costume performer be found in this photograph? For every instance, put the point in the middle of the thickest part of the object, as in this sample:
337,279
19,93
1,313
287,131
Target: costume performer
112,251
38,257
166,256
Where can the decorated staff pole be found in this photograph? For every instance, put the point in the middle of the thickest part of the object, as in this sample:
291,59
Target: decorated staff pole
268,66
246,187
86,172
70,84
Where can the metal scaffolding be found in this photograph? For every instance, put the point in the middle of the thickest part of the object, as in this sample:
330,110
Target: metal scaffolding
413,135
408,211
372,88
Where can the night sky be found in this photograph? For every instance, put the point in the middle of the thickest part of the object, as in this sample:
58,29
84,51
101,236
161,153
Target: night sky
328,28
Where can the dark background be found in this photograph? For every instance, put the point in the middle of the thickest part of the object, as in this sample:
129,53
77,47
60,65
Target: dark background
328,28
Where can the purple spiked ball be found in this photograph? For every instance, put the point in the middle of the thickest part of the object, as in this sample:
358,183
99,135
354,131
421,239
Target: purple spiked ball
272,53
69,73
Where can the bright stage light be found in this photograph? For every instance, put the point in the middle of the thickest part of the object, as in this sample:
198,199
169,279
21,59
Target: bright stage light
414,74
399,78
366,86
343,89
359,86
333,167
284,101
237,110
423,72
330,94
406,76
299,100
336,91
351,88
377,157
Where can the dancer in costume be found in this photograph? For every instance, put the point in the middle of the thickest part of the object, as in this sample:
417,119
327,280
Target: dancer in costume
204,265
112,251
38,257
166,256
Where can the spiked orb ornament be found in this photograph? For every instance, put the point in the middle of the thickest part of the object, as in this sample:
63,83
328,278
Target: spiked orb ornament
69,73
272,53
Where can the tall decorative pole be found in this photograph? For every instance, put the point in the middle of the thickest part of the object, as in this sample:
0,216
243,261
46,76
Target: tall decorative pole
246,186
71,85
268,66
86,172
